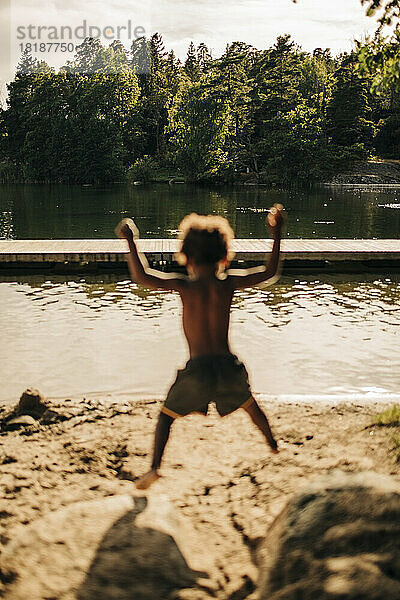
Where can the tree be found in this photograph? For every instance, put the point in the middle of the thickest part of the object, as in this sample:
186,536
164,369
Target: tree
316,78
140,57
198,125
20,105
387,141
348,108
390,11
231,77
295,145
72,125
113,59
86,56
275,78
192,66
277,73
204,57
278,112
376,56
380,59
152,111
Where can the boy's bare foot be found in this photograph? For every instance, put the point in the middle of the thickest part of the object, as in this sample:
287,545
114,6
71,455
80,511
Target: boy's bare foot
144,482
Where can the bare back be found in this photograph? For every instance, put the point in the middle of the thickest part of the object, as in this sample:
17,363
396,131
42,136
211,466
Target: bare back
206,298
206,312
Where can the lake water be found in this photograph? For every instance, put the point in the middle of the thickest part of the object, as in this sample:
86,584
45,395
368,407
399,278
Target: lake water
307,335
330,335
51,212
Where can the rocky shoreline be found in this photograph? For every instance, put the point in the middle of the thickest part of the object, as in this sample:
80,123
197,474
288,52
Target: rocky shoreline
377,172
218,473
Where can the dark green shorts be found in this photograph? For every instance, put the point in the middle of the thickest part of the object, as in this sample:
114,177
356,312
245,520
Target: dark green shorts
219,378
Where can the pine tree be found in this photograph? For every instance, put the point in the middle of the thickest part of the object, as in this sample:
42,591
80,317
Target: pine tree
204,57
192,65
140,57
232,79
173,72
348,108
86,56
158,53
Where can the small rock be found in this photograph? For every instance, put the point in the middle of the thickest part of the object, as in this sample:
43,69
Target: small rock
7,460
52,416
19,422
4,514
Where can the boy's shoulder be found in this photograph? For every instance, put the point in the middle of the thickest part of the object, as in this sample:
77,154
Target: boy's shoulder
222,282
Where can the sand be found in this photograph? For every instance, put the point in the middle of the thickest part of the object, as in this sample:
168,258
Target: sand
219,472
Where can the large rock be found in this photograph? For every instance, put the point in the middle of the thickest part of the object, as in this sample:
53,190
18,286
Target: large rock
337,539
32,403
33,408
120,547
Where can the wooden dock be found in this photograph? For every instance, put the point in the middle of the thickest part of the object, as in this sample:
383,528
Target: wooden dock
108,252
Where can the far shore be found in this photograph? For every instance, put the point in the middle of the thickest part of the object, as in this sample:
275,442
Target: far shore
374,172
218,472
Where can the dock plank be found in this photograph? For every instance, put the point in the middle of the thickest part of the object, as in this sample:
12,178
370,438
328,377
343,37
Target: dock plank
113,250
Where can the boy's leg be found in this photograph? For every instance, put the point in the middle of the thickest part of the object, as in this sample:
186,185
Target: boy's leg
258,417
160,441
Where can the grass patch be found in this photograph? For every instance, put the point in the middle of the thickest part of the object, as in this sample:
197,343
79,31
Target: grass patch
389,417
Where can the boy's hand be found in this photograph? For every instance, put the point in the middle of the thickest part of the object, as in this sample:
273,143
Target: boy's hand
127,230
276,219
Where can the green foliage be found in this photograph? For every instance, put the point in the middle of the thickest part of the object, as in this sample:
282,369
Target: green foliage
278,114
390,11
192,64
198,127
348,108
377,57
387,141
390,417
380,57
71,126
9,173
295,144
143,170
380,60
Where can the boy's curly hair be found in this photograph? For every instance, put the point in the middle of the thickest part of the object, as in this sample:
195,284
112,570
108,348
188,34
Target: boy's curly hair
205,240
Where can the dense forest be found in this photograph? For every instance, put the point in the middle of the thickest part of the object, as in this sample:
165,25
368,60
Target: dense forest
278,114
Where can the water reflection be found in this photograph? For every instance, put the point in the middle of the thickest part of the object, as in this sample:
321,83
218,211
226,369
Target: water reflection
309,335
57,211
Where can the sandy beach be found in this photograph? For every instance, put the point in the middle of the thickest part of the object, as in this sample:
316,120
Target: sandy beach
219,472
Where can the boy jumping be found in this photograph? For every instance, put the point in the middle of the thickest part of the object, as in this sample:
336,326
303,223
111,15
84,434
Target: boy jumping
213,373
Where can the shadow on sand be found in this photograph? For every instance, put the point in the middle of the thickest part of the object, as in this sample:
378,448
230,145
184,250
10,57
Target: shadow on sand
137,563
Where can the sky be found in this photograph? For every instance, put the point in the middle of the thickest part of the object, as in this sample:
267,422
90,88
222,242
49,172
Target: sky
312,23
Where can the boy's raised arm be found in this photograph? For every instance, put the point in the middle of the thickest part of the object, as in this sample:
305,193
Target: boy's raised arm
138,265
270,272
